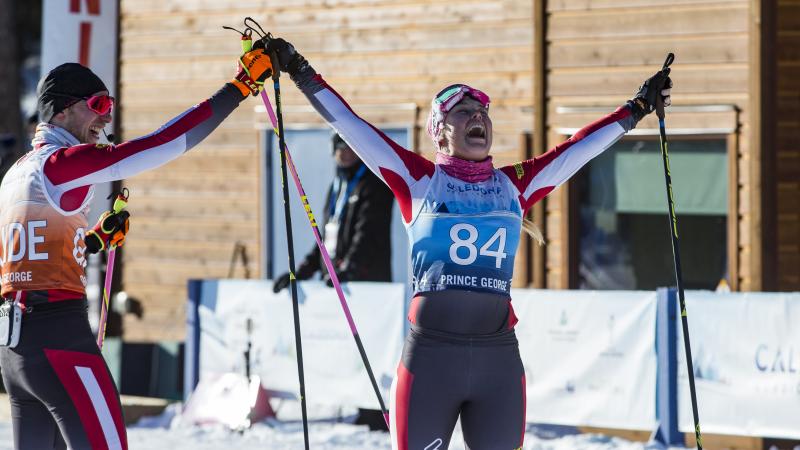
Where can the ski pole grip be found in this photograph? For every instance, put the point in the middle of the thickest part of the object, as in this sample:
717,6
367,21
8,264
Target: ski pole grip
665,70
273,57
247,43
668,61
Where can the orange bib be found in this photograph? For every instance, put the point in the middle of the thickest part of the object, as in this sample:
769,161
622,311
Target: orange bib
41,245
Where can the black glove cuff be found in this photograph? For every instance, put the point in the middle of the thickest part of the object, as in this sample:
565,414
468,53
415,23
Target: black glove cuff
300,71
638,108
304,272
93,243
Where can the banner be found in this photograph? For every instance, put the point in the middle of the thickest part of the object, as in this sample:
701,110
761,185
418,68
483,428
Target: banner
81,31
241,315
589,357
746,358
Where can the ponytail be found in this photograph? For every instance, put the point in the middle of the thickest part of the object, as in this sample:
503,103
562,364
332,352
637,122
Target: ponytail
529,227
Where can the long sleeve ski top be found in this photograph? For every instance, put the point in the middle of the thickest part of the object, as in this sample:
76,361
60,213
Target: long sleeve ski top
74,167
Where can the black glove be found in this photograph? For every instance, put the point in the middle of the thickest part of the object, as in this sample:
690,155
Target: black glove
644,102
342,276
282,282
110,229
289,59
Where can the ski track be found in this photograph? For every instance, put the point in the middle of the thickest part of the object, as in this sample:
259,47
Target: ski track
166,432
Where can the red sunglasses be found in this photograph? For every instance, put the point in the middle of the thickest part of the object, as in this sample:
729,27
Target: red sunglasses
98,104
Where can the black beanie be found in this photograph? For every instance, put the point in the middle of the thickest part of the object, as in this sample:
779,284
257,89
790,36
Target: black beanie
336,141
63,85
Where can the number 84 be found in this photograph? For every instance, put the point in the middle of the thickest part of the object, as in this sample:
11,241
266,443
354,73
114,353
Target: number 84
469,243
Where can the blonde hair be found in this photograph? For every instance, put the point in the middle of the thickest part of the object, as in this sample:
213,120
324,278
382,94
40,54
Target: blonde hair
533,231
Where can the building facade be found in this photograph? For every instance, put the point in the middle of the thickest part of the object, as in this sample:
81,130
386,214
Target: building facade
550,68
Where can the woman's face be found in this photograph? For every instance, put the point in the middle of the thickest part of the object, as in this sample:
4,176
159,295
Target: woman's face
467,132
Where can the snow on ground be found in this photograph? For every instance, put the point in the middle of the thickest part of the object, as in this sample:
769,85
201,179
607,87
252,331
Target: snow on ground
167,432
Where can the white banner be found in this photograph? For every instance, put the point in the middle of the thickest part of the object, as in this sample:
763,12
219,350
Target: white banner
334,371
81,31
589,357
746,356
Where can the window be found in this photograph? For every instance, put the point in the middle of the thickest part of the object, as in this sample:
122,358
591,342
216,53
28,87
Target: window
624,238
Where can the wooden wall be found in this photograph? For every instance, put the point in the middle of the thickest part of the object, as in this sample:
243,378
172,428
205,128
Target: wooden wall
377,53
384,55
787,145
599,52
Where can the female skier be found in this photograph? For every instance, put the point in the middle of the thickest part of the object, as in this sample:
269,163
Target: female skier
463,217
60,388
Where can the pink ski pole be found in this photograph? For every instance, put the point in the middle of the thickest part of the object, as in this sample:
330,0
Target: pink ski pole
119,204
327,259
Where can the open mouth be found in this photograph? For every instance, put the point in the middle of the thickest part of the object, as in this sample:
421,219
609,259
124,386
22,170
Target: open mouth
95,132
476,133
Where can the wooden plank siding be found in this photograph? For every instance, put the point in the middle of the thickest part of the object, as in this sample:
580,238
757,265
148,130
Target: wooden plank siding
377,54
787,146
599,51
384,55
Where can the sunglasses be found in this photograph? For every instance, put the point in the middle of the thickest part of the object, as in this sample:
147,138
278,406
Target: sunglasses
98,104
451,95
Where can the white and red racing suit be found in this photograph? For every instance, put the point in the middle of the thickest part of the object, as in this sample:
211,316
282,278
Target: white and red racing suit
461,357
58,383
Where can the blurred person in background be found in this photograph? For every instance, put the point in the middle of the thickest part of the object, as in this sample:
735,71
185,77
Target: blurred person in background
357,225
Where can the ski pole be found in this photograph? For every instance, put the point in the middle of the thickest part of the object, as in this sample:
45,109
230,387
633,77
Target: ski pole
119,204
673,225
246,46
329,265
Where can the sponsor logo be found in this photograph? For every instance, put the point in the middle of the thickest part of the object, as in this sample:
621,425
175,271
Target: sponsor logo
777,359
435,445
520,171
474,188
252,62
563,330
611,350
308,211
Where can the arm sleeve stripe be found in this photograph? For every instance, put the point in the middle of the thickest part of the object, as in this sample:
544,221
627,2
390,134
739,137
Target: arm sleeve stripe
82,161
537,177
376,149
401,192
